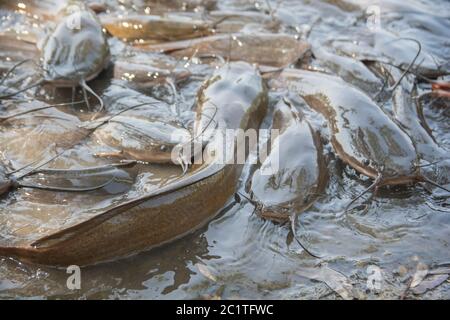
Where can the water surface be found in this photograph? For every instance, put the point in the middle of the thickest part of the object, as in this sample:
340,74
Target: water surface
246,257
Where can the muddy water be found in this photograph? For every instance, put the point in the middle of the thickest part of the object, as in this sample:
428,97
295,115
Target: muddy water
244,256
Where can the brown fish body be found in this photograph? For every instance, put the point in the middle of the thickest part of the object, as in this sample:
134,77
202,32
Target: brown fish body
18,47
277,50
300,172
363,136
165,215
349,69
232,21
154,27
145,71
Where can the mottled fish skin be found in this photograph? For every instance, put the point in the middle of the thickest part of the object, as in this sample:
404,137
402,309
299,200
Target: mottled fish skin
301,173
363,135
76,50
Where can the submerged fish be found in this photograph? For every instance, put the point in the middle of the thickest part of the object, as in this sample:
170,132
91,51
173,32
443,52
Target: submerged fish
277,50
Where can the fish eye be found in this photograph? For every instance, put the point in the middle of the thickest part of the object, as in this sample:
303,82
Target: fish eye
163,148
